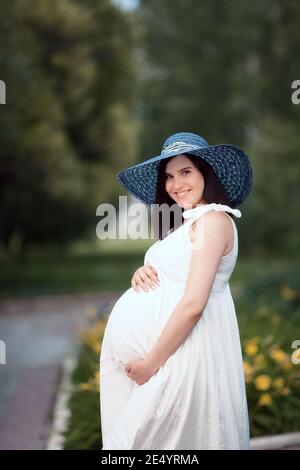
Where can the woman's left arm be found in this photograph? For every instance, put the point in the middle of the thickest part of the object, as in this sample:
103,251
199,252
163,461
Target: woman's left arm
207,249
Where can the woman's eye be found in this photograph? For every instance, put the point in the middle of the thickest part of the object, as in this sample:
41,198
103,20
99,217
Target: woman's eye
185,172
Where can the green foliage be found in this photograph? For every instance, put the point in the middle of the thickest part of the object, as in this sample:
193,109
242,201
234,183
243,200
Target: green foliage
90,87
272,211
67,125
84,426
269,317
62,274
225,70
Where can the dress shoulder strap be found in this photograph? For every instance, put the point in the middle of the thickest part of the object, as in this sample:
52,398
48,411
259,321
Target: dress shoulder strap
195,213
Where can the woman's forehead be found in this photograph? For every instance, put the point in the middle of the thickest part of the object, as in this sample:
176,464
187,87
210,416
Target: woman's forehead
178,162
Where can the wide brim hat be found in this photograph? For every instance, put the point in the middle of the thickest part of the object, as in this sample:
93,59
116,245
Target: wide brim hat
230,164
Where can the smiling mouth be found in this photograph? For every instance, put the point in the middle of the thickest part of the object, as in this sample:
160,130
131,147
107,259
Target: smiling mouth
182,193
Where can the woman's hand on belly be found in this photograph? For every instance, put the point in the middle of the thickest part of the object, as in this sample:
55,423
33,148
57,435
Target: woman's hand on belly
144,278
140,371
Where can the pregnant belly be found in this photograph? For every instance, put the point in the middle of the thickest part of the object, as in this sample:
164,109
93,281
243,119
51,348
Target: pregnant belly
136,321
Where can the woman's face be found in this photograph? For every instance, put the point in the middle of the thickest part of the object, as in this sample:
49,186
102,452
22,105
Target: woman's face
184,182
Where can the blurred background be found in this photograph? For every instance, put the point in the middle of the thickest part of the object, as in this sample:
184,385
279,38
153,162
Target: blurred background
92,87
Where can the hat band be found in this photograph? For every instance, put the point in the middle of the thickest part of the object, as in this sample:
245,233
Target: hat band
178,146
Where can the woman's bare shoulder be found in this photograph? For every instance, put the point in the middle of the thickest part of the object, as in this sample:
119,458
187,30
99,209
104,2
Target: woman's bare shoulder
213,221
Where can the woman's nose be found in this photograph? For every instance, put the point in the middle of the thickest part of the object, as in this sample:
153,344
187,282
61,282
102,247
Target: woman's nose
177,184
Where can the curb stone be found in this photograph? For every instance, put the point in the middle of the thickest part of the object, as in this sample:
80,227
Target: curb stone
276,442
61,412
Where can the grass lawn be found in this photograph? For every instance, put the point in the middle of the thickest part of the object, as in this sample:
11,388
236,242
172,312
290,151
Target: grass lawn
107,266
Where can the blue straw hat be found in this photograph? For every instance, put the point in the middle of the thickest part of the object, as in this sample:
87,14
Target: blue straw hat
229,163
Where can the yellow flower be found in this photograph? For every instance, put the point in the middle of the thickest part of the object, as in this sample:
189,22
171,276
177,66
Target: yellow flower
85,386
251,347
288,294
265,400
92,384
275,318
278,355
96,346
262,382
285,391
248,371
268,340
90,312
260,361
278,383
262,311
92,336
287,365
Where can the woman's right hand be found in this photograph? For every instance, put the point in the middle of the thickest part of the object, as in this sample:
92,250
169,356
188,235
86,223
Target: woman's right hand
144,278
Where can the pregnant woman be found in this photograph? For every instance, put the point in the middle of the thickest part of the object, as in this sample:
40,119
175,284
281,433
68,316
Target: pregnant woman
171,369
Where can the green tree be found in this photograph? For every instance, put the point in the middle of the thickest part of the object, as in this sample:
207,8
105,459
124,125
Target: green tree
68,124
224,70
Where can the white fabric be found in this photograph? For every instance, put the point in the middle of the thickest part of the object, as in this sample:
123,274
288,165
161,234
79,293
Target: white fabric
197,399
179,146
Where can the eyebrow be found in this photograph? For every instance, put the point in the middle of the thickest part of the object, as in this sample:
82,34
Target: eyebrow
182,169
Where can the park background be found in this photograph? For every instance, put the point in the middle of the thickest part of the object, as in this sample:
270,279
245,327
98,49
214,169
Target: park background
93,87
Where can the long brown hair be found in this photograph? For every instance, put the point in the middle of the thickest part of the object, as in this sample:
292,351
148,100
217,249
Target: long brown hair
213,190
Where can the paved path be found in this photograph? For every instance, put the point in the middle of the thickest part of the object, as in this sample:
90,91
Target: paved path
38,333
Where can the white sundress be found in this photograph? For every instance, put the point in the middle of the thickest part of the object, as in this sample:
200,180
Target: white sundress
197,399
